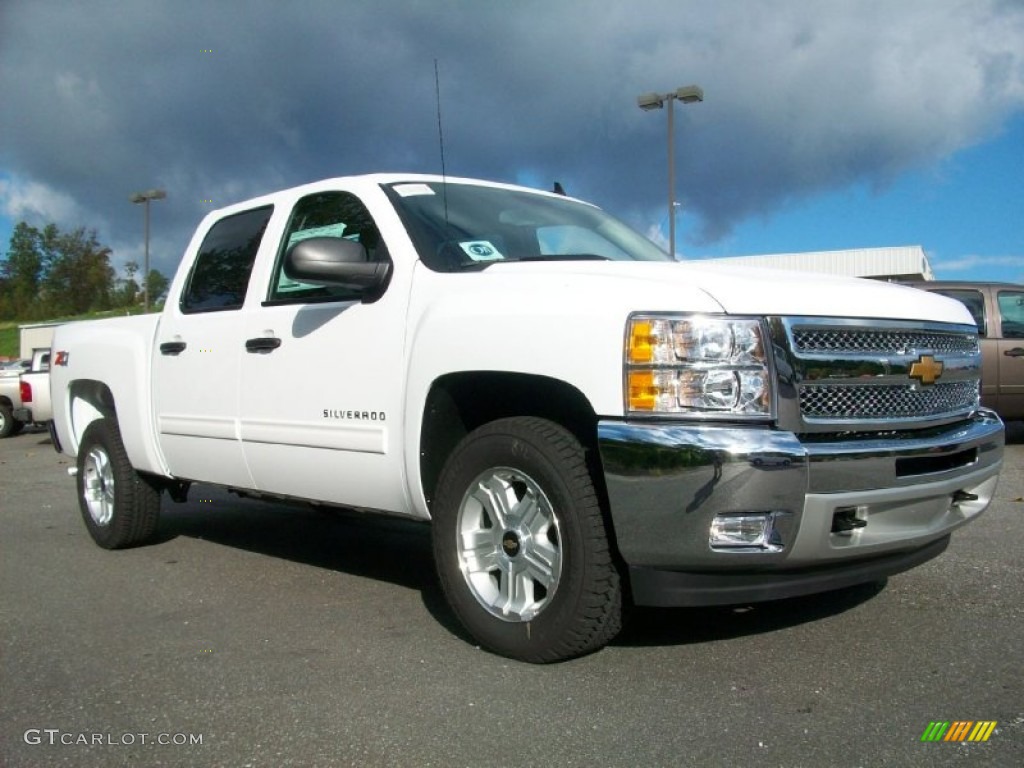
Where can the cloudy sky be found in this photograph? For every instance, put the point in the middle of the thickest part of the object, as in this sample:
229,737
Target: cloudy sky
827,124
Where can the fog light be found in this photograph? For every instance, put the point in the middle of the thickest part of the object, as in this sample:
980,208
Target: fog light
751,532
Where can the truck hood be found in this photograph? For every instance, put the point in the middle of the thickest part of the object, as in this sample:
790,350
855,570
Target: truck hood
740,290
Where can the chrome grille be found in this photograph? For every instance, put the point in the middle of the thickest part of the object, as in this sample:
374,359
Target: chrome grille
869,375
881,341
887,402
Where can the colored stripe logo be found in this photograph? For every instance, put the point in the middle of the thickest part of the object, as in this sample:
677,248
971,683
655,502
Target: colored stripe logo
958,730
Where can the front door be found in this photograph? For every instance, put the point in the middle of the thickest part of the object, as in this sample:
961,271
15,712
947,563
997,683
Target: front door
320,403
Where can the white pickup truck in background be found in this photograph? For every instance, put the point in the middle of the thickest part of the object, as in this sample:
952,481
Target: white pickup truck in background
584,421
25,394
34,389
10,398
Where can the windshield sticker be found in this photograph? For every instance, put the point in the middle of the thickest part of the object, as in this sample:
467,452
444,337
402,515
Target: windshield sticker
481,250
411,190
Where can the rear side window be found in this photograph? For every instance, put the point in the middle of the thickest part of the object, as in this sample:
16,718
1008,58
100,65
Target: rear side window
220,275
1011,308
974,302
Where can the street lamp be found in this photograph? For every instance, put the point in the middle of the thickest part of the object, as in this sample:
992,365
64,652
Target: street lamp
687,94
145,197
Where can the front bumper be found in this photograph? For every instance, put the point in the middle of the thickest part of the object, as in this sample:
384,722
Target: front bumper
667,482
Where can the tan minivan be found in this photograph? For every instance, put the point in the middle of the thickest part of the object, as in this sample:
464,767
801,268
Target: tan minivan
998,310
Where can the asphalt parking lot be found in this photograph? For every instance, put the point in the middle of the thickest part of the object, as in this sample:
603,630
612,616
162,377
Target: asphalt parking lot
284,636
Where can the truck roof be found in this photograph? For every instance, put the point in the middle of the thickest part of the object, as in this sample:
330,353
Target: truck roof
375,180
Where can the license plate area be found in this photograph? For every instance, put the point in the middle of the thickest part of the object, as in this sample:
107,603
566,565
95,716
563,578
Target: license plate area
930,465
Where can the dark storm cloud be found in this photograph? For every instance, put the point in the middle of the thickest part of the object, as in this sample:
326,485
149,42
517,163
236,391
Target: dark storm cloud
225,100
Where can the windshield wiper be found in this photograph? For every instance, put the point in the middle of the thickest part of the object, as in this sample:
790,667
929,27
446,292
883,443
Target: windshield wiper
481,265
563,257
476,266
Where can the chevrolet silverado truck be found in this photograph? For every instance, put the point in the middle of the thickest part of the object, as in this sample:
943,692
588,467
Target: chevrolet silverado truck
585,422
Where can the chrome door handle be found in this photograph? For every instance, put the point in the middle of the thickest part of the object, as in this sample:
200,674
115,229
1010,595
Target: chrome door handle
172,347
262,344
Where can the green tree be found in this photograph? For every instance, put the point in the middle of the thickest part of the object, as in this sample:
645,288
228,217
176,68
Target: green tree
21,273
127,292
157,285
50,273
79,277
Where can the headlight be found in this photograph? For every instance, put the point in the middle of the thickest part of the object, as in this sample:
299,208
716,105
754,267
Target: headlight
702,364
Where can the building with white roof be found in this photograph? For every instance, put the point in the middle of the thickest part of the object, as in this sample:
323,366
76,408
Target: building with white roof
907,262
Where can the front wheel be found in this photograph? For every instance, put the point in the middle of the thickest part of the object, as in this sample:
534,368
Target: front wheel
520,543
120,507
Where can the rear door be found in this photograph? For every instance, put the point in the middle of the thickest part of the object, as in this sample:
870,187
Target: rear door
197,356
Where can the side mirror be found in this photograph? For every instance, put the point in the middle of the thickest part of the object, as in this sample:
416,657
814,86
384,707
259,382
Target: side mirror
335,261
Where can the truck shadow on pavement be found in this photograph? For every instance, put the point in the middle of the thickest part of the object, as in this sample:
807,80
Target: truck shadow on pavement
398,551
33,434
378,547
649,627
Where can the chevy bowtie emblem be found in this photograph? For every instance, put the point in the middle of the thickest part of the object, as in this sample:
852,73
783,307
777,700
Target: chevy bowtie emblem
926,370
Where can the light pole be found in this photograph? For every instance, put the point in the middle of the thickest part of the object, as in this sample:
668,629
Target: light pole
648,101
144,198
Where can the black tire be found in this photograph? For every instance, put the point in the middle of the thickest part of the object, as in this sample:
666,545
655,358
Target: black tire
7,422
520,543
18,426
121,508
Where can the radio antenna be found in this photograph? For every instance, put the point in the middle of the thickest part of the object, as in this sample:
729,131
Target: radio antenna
440,138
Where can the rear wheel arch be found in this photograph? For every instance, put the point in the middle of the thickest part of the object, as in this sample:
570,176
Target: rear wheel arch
89,401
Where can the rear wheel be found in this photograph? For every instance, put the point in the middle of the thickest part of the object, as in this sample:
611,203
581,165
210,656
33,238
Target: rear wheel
120,507
8,426
520,543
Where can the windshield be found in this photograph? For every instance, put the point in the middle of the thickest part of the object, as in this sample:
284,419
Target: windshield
458,226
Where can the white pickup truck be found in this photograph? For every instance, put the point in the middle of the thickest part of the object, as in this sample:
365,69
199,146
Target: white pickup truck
25,394
34,388
584,421
10,398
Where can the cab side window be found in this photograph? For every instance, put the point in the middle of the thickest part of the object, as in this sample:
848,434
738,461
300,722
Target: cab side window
1011,308
221,272
325,214
974,302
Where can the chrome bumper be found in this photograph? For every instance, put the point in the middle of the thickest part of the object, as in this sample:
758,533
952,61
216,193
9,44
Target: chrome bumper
666,483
